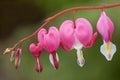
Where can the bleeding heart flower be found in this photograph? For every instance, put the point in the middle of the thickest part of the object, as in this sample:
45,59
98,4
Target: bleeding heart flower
50,40
67,34
36,50
77,35
106,27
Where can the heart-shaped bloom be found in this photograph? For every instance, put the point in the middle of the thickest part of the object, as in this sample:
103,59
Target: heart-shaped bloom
50,40
36,50
67,30
106,27
77,35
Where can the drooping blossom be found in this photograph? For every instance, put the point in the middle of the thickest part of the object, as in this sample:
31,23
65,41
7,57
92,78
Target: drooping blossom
36,50
50,40
106,27
77,35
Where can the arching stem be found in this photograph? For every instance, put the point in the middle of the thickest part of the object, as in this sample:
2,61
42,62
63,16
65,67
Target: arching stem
48,20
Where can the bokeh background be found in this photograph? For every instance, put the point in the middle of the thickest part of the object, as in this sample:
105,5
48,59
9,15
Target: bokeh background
20,18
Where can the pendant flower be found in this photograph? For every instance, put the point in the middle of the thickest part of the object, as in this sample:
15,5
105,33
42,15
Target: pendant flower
106,27
77,35
36,50
50,40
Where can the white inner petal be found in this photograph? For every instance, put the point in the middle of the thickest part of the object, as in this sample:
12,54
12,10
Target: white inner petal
38,63
80,58
51,59
77,44
108,50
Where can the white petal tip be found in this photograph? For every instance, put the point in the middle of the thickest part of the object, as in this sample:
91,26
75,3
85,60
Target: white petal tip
108,57
80,58
108,50
53,62
81,62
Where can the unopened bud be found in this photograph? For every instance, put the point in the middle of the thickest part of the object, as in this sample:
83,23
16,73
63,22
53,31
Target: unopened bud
17,62
7,50
17,58
12,57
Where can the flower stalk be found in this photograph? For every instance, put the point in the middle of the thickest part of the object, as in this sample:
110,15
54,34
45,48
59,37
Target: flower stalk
48,20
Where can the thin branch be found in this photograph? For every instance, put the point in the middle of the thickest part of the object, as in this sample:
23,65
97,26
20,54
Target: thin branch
48,20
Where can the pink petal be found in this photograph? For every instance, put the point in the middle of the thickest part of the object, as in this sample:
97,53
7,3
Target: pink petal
52,39
18,57
35,49
67,34
94,37
18,52
83,31
105,27
93,40
41,35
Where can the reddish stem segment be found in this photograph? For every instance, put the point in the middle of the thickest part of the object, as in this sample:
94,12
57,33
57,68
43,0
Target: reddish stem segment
48,20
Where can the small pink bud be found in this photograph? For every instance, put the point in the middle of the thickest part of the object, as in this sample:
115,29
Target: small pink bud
18,57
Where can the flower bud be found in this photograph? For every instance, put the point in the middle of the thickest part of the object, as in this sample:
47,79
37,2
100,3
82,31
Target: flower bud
7,50
18,57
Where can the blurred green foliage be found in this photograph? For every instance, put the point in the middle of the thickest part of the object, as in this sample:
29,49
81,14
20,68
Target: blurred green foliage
19,18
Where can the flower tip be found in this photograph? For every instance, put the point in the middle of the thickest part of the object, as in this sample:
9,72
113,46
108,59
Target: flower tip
12,59
7,50
54,59
18,57
80,58
17,62
94,37
56,66
108,50
109,57
38,66
81,62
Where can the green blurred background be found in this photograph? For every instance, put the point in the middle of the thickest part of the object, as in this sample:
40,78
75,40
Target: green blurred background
19,18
